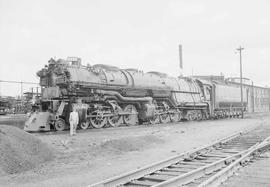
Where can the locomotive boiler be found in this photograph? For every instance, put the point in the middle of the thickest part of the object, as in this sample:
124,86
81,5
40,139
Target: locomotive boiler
106,95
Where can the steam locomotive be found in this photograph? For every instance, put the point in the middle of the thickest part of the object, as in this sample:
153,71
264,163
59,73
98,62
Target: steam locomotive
106,95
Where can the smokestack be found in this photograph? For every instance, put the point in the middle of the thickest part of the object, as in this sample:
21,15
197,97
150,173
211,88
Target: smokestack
181,60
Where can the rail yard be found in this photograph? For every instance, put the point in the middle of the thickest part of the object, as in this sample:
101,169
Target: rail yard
135,129
94,155
134,93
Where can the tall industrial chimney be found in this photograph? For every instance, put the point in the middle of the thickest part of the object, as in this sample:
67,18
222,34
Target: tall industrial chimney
181,60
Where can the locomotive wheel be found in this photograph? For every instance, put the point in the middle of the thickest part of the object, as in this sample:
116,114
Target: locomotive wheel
165,118
84,125
240,114
130,119
206,116
115,120
175,117
98,121
190,117
155,120
60,124
200,117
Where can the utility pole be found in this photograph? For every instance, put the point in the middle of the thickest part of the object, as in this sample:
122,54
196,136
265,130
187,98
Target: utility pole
253,101
21,89
241,80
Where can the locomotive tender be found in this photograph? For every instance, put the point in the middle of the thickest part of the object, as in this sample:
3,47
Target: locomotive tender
106,95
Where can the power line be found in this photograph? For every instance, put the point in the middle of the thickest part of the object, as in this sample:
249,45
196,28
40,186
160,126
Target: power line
19,82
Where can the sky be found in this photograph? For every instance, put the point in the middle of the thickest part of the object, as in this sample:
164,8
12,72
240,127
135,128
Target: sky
142,34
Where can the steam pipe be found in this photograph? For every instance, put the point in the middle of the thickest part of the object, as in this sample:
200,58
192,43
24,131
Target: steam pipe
125,99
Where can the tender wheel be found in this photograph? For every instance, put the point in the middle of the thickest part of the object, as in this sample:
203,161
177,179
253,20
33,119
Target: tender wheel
155,120
60,124
164,118
174,117
98,121
84,125
132,117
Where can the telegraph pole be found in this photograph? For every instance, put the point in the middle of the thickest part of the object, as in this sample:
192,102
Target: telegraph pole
241,80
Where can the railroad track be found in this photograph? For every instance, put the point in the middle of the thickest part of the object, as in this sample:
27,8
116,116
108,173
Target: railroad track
204,166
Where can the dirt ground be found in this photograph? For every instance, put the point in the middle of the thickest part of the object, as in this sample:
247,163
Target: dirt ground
21,151
98,154
16,120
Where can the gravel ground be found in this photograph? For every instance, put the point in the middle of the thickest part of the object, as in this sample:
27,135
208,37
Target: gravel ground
97,154
255,173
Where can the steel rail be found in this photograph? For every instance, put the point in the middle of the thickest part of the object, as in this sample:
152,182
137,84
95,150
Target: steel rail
126,177
200,172
222,175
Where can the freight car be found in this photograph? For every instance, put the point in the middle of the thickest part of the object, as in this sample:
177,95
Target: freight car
106,95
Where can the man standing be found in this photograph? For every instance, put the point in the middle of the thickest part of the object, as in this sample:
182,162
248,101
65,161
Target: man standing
73,121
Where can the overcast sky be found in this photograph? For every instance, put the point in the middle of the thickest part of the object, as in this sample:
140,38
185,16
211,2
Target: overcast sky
142,34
